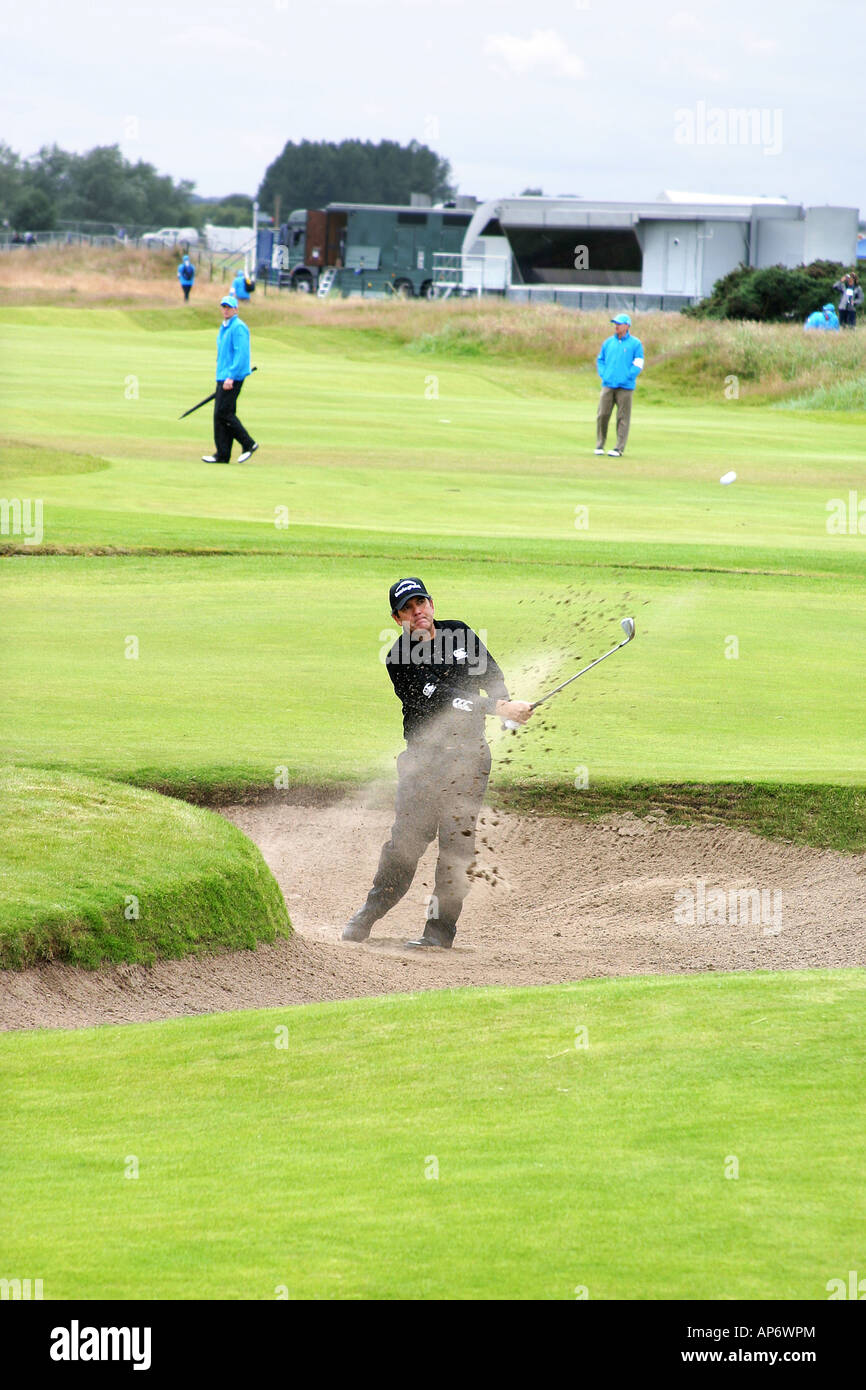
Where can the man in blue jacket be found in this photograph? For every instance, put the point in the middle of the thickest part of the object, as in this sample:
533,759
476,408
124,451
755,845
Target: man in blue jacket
619,363
823,319
241,286
233,366
186,276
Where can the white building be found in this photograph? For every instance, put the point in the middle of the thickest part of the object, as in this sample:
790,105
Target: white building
654,255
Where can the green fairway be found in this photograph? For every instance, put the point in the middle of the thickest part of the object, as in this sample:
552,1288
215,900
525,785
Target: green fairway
92,871
236,644
750,614
216,631
672,1138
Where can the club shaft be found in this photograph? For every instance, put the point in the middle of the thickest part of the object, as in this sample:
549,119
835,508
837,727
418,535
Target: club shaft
580,673
206,401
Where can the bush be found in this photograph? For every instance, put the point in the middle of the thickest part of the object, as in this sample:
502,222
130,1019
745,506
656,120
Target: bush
773,294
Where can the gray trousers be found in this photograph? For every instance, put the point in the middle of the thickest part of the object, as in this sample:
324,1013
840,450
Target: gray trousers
610,397
438,793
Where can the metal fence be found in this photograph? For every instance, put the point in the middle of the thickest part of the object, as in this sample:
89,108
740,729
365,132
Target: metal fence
620,302
462,273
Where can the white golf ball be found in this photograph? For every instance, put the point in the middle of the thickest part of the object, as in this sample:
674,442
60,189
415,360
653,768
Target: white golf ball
728,478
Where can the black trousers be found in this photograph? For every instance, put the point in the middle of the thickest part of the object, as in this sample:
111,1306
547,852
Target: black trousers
438,793
226,425
186,288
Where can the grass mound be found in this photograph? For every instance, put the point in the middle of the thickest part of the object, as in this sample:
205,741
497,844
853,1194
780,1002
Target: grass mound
19,460
670,1138
93,872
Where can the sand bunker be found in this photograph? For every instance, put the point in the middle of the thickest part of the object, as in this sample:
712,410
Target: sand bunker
555,900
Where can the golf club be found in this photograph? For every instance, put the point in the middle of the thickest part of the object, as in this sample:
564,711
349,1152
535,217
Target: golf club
211,397
627,625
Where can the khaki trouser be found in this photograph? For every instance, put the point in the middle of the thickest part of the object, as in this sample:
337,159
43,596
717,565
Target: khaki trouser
622,399
438,793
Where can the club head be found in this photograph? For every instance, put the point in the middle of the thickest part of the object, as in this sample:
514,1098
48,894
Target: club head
627,625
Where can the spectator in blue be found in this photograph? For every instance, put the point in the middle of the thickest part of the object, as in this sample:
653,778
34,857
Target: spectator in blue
186,276
824,319
241,286
232,369
619,363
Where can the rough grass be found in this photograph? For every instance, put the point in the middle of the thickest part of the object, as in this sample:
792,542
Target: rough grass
826,817
848,395
105,275
93,871
685,357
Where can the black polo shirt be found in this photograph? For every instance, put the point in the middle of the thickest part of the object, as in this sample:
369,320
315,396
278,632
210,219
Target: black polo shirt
429,676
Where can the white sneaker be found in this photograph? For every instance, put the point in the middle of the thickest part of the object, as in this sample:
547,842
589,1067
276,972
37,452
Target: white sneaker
247,454
209,458
599,451
614,454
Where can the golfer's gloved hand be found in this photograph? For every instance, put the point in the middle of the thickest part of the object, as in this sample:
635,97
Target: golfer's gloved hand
518,710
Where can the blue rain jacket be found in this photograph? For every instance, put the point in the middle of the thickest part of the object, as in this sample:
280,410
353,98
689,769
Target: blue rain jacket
233,350
828,323
616,362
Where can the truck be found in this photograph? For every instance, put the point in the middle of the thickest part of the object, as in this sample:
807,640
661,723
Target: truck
361,248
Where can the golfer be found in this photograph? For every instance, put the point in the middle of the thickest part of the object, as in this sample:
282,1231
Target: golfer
186,276
233,366
439,669
619,363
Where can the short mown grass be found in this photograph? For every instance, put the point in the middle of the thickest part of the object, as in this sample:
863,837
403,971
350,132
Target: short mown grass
691,1137
92,871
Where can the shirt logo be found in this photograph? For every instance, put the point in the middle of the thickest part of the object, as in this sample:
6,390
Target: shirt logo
465,705
429,688
460,654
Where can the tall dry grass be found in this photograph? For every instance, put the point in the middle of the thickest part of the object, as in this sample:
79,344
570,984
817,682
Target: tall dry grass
684,356
94,275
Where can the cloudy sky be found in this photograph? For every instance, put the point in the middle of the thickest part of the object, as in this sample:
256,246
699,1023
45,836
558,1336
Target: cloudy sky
602,98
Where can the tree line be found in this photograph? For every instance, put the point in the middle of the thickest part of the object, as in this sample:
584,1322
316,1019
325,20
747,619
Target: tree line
315,172
101,187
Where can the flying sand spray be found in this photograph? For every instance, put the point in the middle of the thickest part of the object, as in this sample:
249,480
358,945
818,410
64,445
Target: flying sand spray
627,625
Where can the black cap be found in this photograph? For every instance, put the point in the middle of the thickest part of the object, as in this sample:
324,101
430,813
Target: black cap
400,593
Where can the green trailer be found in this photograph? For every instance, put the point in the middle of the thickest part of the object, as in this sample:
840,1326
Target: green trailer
368,248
